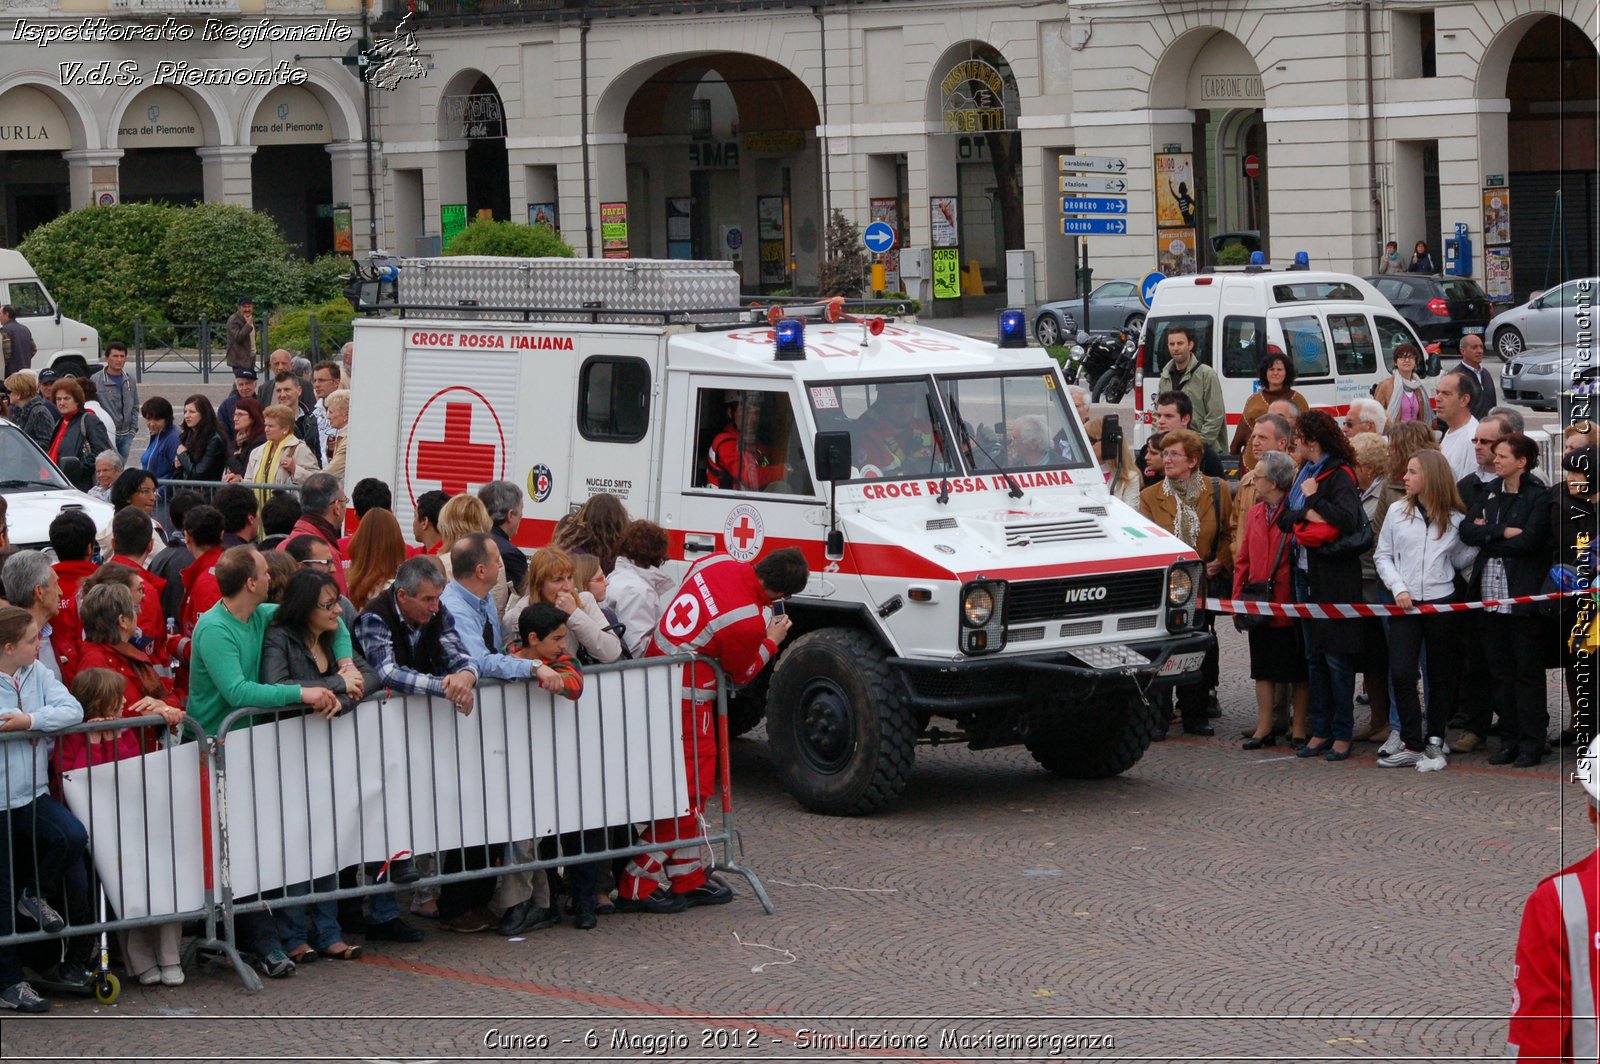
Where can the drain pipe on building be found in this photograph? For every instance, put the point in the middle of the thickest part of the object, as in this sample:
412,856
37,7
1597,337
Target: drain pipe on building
827,172
1372,135
583,129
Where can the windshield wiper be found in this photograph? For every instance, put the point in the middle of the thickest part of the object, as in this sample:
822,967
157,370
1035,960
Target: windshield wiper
27,484
944,446
968,437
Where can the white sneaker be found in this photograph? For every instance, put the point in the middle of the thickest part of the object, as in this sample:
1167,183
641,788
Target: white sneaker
1393,744
1400,758
172,975
1433,757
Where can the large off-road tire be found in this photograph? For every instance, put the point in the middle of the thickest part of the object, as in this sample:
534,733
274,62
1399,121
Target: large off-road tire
1089,739
748,705
841,736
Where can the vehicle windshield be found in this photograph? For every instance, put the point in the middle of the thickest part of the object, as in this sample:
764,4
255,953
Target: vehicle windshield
23,467
1014,421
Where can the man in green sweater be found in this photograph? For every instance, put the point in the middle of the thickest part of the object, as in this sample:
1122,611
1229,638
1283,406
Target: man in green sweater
225,658
1185,373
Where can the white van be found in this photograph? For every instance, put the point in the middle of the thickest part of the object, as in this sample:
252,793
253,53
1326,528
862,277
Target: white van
67,346
1339,331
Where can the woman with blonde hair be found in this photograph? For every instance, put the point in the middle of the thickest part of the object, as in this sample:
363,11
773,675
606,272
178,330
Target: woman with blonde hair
550,579
377,551
30,411
283,457
1418,552
338,407
594,529
1121,470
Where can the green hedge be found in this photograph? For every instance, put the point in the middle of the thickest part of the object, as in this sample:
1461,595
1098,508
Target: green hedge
509,239
108,265
290,327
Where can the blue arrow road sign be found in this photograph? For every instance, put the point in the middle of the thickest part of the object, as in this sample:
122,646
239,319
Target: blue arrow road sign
1093,205
1092,226
879,237
1147,287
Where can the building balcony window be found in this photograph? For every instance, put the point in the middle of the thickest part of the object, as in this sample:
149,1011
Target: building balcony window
176,7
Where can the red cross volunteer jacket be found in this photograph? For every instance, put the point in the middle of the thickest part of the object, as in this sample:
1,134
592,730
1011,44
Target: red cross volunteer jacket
1555,996
718,612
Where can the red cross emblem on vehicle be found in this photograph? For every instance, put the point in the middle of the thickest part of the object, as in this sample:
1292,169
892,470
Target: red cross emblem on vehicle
457,443
744,531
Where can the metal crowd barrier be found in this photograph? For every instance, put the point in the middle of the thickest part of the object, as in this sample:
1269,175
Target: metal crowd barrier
133,812
265,815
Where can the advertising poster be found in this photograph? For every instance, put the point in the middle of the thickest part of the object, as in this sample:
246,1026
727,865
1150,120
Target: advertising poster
614,230
944,231
772,247
1175,189
1497,215
1497,274
1175,251
946,273
343,241
452,219
887,209
544,214
769,217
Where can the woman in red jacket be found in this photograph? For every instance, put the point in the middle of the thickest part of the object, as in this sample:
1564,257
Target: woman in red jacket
1262,554
110,616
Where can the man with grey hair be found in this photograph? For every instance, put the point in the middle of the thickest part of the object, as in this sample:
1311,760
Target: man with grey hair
1028,442
322,503
1365,415
1285,409
107,464
504,502
1080,401
412,643
31,583
347,360
1510,415
1491,430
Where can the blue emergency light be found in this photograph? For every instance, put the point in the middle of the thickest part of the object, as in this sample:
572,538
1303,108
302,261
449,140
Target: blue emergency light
1302,261
791,335
1013,328
1258,258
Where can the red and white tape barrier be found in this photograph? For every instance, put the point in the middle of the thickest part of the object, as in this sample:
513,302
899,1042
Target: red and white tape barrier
1326,611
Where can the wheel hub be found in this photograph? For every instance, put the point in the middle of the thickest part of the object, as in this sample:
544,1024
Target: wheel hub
824,731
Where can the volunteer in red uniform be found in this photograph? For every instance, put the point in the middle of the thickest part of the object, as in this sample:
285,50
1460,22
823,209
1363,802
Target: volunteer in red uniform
719,612
1555,995
738,459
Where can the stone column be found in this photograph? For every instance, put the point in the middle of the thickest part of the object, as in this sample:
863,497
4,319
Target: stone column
350,188
93,173
227,173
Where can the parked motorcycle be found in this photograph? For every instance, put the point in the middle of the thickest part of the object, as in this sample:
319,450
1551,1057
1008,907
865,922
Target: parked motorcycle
1091,357
1113,383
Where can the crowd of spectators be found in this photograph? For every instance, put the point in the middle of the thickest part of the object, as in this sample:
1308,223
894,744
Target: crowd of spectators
236,593
1380,506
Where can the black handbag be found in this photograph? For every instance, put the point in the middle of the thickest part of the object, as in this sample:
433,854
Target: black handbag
1260,591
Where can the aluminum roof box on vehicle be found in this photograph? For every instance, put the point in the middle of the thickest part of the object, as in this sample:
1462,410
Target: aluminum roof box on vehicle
507,289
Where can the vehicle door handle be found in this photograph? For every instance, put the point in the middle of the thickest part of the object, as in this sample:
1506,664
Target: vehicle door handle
696,543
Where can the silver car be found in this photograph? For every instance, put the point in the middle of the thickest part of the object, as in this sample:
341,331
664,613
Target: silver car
1551,317
1538,376
1112,306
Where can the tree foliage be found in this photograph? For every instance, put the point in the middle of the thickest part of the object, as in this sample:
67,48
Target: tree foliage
103,264
214,253
512,239
290,328
842,272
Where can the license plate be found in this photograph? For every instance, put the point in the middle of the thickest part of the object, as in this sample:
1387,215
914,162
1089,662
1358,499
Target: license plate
1472,330
1508,382
1181,663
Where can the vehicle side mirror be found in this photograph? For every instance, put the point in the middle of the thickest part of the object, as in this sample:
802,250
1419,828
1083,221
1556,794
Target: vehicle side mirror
1535,300
1110,435
831,456
58,315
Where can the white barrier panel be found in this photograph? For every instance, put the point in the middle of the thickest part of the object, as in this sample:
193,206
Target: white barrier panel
306,797
148,810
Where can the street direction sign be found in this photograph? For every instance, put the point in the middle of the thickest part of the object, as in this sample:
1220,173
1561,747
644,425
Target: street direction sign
1074,183
1101,164
1093,205
1147,287
879,237
1092,226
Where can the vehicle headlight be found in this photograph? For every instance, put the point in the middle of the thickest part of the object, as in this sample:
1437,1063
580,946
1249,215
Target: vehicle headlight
1077,350
1541,369
977,606
1180,587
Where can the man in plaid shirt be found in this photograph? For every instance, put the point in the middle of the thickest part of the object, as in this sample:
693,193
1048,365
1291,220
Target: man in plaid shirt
412,643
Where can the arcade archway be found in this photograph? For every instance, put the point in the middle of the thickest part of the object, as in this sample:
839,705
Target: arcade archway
722,163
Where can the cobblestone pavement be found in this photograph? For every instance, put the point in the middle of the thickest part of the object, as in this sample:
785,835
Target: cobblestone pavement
1209,902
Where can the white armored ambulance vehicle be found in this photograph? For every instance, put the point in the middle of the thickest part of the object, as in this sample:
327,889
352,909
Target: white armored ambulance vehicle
971,577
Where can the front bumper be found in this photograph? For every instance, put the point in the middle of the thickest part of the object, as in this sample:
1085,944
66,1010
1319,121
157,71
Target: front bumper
1010,680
